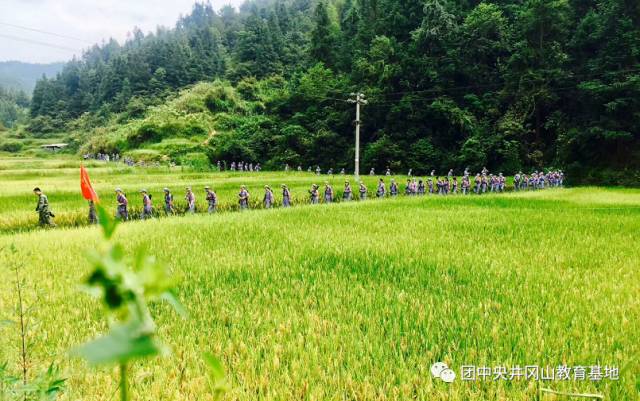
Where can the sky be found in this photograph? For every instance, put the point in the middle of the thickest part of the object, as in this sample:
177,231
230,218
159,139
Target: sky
59,29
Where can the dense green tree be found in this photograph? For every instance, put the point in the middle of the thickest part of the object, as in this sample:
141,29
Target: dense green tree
13,108
255,51
324,37
508,84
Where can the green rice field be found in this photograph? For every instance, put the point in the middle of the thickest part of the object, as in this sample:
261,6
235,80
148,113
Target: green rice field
349,301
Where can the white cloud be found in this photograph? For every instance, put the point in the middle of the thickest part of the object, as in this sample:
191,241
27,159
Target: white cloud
86,20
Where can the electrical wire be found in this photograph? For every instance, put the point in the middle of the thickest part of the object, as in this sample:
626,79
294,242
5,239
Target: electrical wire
37,42
45,32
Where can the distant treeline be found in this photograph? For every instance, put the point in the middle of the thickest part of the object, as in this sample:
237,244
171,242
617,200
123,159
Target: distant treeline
22,76
13,107
509,84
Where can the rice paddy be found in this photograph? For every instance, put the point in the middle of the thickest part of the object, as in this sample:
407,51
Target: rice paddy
348,301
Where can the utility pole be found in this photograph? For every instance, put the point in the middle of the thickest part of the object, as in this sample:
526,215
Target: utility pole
359,100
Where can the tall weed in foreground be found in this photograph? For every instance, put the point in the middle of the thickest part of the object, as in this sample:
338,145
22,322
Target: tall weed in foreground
126,285
24,386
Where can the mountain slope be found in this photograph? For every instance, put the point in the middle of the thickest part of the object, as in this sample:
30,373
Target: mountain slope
23,76
508,85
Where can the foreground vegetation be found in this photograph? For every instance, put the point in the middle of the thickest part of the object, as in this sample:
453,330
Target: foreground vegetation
349,301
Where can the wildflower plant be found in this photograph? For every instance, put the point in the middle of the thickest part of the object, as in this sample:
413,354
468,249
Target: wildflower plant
125,286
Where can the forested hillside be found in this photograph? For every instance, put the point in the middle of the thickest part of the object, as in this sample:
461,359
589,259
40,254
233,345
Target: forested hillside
16,75
509,84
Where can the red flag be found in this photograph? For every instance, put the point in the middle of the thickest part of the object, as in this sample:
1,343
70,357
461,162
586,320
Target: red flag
85,185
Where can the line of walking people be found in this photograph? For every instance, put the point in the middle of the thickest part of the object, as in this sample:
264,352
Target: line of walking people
482,183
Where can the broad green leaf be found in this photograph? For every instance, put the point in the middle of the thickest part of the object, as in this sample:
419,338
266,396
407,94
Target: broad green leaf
107,222
123,343
217,381
216,370
175,303
117,252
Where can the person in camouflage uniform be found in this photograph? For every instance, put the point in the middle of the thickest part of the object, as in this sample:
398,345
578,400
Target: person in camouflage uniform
363,191
313,194
328,193
93,216
466,185
147,207
476,183
168,202
212,199
268,197
407,189
44,214
516,181
347,195
190,197
393,188
286,196
122,213
382,190
243,198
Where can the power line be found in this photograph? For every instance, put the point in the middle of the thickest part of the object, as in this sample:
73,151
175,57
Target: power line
37,42
45,32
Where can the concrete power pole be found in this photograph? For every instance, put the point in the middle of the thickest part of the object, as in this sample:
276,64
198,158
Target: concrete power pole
358,100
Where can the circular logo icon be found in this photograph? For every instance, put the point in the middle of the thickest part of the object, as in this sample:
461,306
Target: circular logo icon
437,368
440,370
448,375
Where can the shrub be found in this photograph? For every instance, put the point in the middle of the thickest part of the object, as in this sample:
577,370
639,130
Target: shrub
43,125
147,132
11,146
248,88
217,104
135,108
230,146
99,141
192,128
226,122
222,99
382,153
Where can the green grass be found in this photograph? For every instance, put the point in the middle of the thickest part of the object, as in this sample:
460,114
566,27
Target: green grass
350,301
